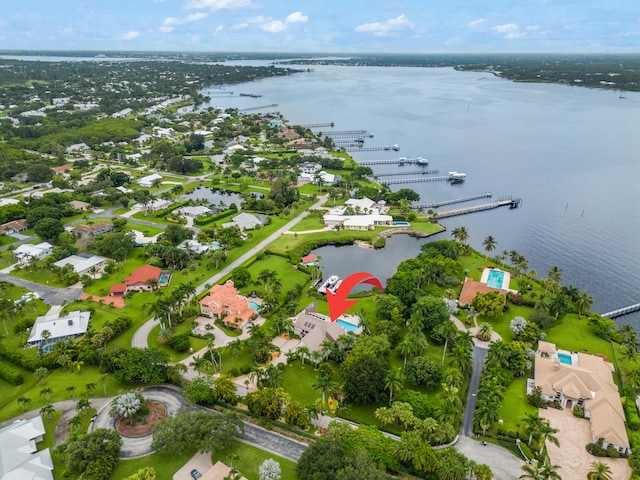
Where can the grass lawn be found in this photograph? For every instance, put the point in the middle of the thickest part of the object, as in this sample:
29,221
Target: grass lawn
298,381
6,240
40,275
149,217
250,459
6,259
288,275
515,405
147,230
575,335
185,327
237,361
312,222
164,464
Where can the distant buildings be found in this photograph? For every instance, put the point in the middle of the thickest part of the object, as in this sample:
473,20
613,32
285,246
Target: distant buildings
50,329
19,455
96,229
15,226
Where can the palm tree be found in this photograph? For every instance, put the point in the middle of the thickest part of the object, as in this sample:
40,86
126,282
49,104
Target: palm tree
394,382
407,347
532,425
599,471
489,244
583,303
555,274
448,330
46,335
46,393
200,363
484,333
324,384
47,411
461,234
547,432
234,346
304,352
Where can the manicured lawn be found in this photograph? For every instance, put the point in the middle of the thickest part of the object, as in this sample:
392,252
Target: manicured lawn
150,217
287,274
298,382
250,459
185,327
100,286
575,335
165,465
147,230
40,275
515,405
6,240
237,361
312,222
6,259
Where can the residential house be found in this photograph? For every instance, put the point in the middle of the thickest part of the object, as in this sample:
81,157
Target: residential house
321,177
195,211
148,180
300,143
194,246
576,378
28,252
471,288
308,260
314,328
15,226
362,205
60,170
357,222
288,134
9,201
157,204
74,325
246,221
78,205
140,280
309,168
78,148
82,264
161,132
225,303
99,228
19,455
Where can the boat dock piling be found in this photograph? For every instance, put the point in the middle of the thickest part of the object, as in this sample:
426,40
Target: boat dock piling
424,179
258,108
317,125
348,134
395,148
622,311
511,203
451,202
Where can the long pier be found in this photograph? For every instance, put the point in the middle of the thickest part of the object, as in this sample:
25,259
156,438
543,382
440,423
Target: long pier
317,125
397,161
622,311
348,133
511,203
453,201
395,148
407,172
258,108
425,179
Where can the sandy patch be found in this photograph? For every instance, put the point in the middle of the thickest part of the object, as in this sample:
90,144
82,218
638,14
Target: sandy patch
574,434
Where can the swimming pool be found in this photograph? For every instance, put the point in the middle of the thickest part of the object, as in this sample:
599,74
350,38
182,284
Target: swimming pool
564,358
255,306
400,223
215,245
495,279
165,277
348,326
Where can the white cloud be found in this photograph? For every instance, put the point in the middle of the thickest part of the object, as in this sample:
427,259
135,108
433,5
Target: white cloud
258,19
275,26
130,35
169,23
296,17
506,28
219,4
219,28
387,28
514,35
476,23
238,26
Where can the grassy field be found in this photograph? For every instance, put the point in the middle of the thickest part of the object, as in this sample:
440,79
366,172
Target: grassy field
515,405
250,458
196,343
165,465
288,275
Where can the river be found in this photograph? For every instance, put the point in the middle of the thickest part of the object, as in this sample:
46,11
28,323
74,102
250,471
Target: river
572,154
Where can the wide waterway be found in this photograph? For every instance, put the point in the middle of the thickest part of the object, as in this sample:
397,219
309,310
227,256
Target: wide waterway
572,154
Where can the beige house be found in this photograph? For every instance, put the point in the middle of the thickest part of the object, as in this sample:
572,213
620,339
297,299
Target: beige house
574,378
314,328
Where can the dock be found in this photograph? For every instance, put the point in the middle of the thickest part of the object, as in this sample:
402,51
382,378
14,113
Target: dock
407,172
317,125
272,105
622,311
511,203
453,201
348,134
395,161
395,148
453,177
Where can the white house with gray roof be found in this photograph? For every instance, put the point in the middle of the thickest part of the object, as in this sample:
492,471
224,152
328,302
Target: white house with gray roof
80,264
74,325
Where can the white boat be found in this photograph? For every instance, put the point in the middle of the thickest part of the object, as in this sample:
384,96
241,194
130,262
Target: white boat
332,283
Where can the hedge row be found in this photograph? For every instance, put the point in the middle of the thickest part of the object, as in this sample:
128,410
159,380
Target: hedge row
25,359
10,374
213,218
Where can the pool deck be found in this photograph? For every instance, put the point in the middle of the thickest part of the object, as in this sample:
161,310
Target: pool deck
506,278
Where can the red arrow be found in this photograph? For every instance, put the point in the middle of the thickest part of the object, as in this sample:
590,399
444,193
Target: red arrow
338,303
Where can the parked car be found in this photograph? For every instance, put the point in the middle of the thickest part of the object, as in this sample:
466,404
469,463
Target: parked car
195,474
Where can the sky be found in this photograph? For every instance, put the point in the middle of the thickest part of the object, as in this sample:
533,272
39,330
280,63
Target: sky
340,26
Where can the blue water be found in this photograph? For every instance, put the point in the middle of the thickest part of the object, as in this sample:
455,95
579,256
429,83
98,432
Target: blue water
215,246
349,327
400,223
255,306
564,358
495,279
164,278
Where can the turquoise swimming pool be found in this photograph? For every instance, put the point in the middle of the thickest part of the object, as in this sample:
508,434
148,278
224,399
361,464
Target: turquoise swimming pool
495,279
255,306
348,326
564,358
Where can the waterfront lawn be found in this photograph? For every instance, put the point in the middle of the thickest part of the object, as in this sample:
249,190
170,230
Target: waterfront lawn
250,458
287,274
575,335
312,222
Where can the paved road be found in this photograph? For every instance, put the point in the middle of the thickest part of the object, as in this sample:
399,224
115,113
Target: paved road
504,465
479,355
172,398
49,295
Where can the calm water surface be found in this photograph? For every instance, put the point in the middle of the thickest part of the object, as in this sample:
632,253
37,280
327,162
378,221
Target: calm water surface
572,154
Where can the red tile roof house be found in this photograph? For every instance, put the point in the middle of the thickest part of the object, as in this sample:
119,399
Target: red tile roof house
308,260
138,281
226,304
471,288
